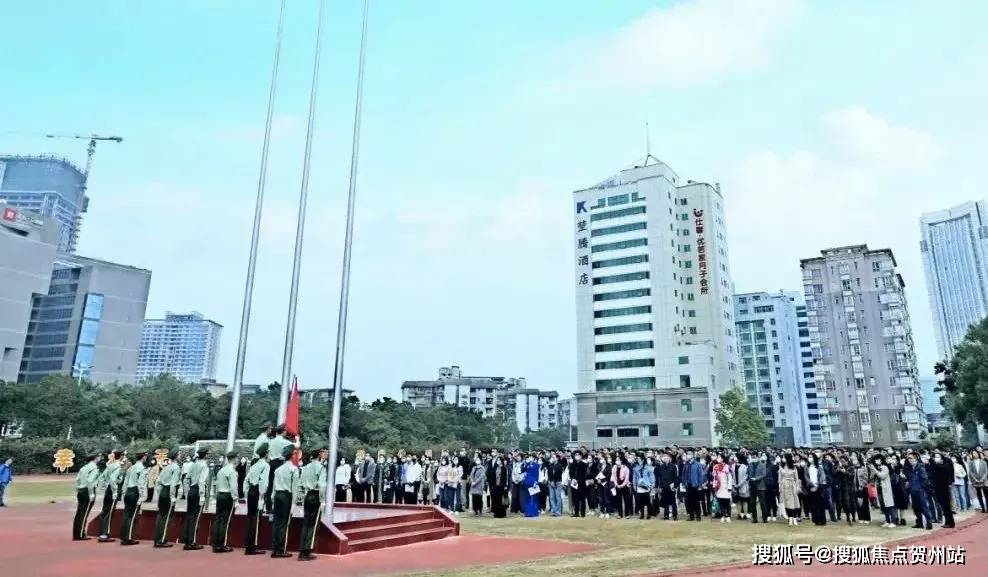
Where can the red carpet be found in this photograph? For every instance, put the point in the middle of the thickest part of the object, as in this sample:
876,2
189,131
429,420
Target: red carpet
35,541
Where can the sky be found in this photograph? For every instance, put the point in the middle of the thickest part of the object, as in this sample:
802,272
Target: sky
827,123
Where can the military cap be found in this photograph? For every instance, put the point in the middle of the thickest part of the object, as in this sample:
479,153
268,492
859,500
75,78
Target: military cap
287,451
262,450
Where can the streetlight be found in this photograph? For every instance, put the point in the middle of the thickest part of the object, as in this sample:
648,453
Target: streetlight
80,369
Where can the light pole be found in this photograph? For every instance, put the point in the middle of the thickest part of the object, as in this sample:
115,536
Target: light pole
334,425
238,372
80,369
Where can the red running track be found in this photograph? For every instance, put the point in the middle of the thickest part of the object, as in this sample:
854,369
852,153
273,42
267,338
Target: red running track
35,541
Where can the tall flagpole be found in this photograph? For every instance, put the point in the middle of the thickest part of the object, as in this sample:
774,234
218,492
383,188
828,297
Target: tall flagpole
238,372
286,364
334,425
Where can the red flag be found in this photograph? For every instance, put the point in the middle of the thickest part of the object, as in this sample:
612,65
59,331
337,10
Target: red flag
291,412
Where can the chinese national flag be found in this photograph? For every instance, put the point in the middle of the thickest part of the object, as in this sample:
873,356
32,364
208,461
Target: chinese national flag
291,417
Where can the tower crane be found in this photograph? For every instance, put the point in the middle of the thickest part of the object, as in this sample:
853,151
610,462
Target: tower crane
90,150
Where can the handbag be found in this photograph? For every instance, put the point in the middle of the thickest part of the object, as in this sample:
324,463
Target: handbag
872,491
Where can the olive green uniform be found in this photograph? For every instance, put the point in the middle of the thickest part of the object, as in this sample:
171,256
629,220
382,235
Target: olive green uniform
85,494
196,484
226,487
286,479
312,481
135,486
109,486
255,487
166,488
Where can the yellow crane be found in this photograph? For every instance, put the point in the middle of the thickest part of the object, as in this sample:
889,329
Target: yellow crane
91,149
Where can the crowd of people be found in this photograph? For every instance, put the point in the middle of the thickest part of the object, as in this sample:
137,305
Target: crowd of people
674,483
791,485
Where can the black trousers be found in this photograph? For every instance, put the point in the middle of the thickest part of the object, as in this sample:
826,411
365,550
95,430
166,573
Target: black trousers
516,498
478,503
578,501
642,505
84,504
282,509
193,510
375,496
758,502
274,464
340,494
165,506
312,510
221,519
497,501
106,514
693,503
253,517
388,495
943,499
132,501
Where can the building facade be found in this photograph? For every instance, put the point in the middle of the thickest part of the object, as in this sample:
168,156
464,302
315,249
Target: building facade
656,341
49,186
768,341
954,246
531,409
185,346
862,346
89,322
813,410
27,250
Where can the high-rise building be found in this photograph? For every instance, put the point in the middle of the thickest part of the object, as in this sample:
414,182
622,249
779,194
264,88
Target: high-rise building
862,346
656,341
813,410
89,322
512,398
185,346
50,186
768,341
955,259
27,250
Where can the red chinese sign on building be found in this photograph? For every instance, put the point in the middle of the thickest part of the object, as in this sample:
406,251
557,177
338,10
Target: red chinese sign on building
701,251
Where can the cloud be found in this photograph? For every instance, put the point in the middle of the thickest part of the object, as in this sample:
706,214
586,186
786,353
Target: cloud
693,42
875,141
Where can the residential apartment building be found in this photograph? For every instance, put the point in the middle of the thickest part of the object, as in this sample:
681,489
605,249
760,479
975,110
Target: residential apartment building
813,410
532,409
954,246
862,346
768,341
185,346
656,341
27,250
89,322
49,186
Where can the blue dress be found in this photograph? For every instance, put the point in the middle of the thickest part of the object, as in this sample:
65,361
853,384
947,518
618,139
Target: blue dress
531,471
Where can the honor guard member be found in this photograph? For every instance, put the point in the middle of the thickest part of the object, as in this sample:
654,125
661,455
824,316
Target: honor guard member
226,488
285,487
135,486
254,488
276,448
312,480
110,489
85,494
196,482
166,488
267,431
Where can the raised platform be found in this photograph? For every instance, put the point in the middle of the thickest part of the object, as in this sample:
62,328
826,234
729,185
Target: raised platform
354,527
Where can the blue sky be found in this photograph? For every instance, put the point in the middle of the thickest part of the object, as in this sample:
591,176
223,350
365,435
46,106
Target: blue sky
827,123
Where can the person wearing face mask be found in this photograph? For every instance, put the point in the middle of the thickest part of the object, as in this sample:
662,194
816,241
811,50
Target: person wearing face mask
915,475
517,477
377,489
667,480
578,472
961,493
883,484
443,484
772,487
498,479
413,481
942,479
554,476
977,476
592,485
742,488
924,458
478,484
530,486
342,480
644,481
604,486
722,482
789,489
692,480
365,478
465,464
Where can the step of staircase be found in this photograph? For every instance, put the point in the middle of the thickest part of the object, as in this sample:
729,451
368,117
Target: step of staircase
424,515
360,533
394,540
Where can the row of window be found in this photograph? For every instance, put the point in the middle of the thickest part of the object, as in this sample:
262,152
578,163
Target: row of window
628,294
629,384
634,345
620,245
605,313
627,277
620,261
650,431
618,229
625,364
617,329
617,213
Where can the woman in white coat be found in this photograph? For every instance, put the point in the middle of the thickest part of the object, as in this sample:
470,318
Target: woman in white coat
723,484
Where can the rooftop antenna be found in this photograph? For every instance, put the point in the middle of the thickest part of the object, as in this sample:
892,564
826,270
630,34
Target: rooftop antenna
648,147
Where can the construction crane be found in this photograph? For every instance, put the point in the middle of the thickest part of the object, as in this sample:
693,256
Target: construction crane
91,150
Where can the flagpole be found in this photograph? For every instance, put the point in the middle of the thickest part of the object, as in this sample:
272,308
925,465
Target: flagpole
238,371
334,425
286,365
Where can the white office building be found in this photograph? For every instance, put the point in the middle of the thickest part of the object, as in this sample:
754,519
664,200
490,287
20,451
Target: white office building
532,409
656,341
185,346
955,249
769,345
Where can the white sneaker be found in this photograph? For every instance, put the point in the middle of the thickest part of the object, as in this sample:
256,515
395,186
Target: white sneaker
728,519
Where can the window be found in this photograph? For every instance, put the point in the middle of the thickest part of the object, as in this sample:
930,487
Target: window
611,347
687,429
622,311
684,381
621,277
626,364
617,213
605,433
684,360
629,384
620,261
628,432
653,430
619,245
88,332
94,307
764,309
686,405
623,329
625,407
618,229
628,294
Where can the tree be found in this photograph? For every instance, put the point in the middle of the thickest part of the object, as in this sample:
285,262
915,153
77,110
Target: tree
555,438
965,383
738,423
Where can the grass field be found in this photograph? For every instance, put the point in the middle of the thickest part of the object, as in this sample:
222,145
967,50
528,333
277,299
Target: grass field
627,547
